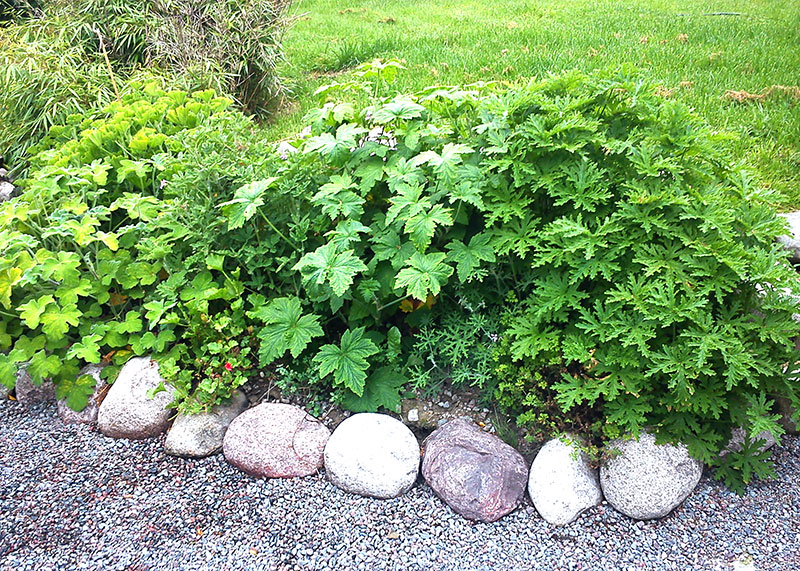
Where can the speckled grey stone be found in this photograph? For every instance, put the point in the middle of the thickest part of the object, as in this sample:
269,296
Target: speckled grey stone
127,411
737,441
648,480
276,440
562,484
29,394
372,455
200,435
6,190
89,414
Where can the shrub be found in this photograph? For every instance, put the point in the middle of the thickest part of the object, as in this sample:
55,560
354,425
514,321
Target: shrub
232,46
79,262
612,257
642,264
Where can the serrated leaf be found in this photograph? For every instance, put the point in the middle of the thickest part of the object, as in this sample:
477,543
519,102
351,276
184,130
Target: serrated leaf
76,391
426,274
43,366
389,246
398,109
422,225
110,239
326,265
347,362
407,201
57,320
138,206
86,349
337,199
382,389
286,329
393,347
155,311
469,257
446,163
245,203
347,231
150,342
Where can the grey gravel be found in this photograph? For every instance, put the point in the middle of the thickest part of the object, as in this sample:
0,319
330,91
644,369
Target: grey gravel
73,499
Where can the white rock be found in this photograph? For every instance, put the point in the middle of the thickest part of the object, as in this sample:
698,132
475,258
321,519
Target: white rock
127,411
89,414
372,455
561,484
200,435
6,190
413,415
792,240
646,480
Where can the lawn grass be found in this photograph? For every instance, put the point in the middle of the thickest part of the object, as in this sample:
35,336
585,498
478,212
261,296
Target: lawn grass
694,55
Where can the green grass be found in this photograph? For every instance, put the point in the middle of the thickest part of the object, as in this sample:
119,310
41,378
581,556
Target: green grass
462,41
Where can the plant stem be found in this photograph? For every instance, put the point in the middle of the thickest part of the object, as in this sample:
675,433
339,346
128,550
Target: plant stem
278,232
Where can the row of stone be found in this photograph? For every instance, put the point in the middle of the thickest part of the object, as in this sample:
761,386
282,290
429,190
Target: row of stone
477,474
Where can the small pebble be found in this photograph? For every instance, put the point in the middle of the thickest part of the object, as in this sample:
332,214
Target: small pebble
71,498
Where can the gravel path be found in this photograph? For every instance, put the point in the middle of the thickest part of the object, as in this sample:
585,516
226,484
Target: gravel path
70,498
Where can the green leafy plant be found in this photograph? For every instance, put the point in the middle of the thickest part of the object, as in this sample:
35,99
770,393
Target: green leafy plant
70,56
580,232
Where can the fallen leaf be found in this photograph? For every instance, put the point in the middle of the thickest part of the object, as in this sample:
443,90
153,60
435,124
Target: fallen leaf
683,38
393,535
512,25
644,39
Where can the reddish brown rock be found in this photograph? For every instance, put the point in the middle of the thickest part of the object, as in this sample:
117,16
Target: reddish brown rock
276,440
478,475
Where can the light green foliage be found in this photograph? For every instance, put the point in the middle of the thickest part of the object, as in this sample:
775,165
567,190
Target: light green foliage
580,229
286,329
77,276
54,64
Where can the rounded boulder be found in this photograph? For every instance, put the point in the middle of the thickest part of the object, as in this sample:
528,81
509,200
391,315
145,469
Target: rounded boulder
127,411
648,480
478,475
200,435
562,484
275,440
372,455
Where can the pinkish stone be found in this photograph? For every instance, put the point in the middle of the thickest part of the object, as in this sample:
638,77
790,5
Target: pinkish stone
478,475
276,440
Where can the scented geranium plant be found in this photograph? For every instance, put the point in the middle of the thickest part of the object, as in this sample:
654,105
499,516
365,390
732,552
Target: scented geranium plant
593,235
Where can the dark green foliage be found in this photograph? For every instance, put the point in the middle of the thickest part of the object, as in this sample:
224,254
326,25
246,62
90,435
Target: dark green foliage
578,242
